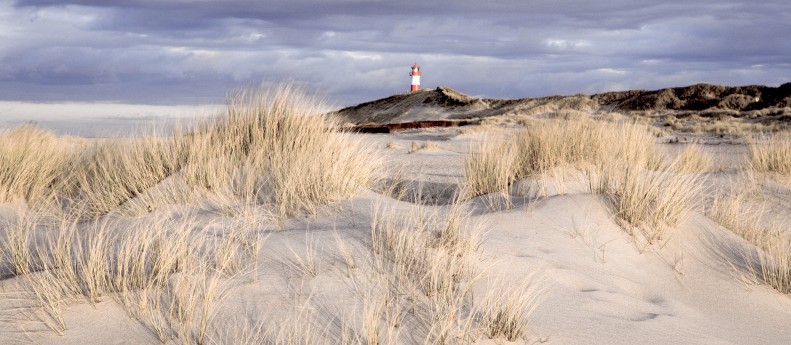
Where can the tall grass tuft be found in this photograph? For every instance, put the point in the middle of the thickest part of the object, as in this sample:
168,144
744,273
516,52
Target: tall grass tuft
506,309
427,257
646,200
271,146
775,261
18,246
31,159
578,144
111,173
549,144
491,169
774,156
771,265
621,161
275,147
693,159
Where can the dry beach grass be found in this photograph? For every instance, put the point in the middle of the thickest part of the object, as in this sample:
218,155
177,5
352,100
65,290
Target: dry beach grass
621,161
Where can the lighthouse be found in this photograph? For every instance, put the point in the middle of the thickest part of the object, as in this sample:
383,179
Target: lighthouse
415,78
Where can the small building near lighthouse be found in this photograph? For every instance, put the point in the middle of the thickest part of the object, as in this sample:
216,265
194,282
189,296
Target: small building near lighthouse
415,78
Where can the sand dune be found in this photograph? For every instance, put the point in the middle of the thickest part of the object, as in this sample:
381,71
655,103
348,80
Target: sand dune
550,230
700,105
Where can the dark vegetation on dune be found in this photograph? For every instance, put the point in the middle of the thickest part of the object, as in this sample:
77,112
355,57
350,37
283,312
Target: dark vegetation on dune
443,103
700,97
402,126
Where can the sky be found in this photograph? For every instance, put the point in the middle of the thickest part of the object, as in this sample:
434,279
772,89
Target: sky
191,52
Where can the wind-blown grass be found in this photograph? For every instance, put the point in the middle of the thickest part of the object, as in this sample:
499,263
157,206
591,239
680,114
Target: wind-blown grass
773,156
649,201
546,145
272,147
621,161
490,170
31,160
579,144
693,159
506,309
741,214
276,148
111,173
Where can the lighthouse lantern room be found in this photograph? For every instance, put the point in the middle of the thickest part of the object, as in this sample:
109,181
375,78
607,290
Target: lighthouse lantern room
415,78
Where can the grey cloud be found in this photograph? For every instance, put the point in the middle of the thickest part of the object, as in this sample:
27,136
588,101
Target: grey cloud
354,50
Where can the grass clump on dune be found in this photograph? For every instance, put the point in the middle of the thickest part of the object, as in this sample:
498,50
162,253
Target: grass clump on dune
31,160
549,144
506,309
692,159
109,174
645,201
272,147
275,147
162,271
772,157
771,262
775,260
578,144
491,169
622,161
428,258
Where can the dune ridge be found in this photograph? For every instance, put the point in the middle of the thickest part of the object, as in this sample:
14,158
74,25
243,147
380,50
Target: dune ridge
759,103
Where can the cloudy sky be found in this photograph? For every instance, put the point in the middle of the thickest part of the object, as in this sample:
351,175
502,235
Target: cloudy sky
189,52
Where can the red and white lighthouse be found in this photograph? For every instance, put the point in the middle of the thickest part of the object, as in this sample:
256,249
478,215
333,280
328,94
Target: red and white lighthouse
415,78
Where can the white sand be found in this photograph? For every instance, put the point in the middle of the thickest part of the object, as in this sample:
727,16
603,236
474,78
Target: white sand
599,286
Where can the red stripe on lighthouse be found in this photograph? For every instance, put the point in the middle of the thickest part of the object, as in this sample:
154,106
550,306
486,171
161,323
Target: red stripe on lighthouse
415,74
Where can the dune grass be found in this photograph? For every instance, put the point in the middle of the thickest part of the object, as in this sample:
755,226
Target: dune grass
275,147
742,214
775,260
31,160
693,159
578,144
272,149
271,146
111,173
772,156
621,161
506,308
18,241
550,144
490,170
647,203
162,271
428,257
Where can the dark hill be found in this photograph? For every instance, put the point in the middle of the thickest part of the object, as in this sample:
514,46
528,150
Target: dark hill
445,103
699,97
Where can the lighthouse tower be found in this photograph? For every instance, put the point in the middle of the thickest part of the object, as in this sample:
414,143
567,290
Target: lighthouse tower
415,78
